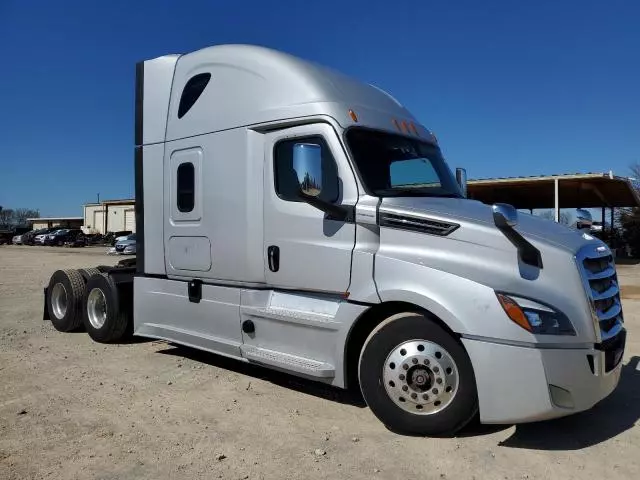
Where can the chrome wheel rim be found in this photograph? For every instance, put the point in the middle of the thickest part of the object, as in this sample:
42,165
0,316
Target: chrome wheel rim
59,300
97,308
420,377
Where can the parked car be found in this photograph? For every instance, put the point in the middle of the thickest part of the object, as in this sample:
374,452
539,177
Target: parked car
17,240
93,238
60,237
39,236
125,246
28,238
9,232
78,239
112,237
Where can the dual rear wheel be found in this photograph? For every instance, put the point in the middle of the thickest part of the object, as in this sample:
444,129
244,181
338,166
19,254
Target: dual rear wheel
90,298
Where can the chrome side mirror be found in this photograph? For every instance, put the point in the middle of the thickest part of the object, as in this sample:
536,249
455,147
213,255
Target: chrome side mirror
307,163
461,178
584,219
505,215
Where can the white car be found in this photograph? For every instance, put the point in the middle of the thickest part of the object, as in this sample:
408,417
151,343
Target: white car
17,240
39,240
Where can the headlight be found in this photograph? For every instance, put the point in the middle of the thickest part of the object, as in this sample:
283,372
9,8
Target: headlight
534,317
129,249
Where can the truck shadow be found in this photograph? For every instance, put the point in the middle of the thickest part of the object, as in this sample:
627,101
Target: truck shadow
614,415
281,379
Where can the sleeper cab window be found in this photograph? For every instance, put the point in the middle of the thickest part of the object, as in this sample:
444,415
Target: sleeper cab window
185,183
303,161
192,91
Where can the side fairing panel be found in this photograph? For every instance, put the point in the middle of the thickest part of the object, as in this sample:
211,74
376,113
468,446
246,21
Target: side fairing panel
162,310
152,193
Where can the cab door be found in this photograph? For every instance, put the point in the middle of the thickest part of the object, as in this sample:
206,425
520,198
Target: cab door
304,248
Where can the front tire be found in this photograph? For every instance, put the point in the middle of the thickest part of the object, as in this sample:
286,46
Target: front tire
105,318
416,377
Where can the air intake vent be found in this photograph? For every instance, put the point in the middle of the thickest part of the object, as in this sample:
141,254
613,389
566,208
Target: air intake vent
418,224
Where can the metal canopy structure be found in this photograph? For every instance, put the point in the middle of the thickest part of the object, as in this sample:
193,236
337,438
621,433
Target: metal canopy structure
580,190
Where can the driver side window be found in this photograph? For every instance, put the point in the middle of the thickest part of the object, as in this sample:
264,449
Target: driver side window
287,184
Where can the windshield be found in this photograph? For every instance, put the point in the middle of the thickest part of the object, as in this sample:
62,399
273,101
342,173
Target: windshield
393,165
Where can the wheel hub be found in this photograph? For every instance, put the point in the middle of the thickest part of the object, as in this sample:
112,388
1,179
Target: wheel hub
420,377
96,308
59,301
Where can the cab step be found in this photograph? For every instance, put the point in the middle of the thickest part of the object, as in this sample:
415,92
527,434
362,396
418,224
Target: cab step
286,361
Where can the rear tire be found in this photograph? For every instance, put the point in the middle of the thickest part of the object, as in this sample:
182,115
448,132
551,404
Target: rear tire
88,272
64,300
416,377
105,319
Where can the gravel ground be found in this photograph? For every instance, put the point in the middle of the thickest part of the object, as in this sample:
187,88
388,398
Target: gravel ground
72,408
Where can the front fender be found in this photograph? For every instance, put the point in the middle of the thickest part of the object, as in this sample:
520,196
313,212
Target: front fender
465,306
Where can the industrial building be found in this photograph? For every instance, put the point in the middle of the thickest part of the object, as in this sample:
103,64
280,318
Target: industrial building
110,216
50,222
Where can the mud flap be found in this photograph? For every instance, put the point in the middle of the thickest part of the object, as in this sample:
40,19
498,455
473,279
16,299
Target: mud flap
45,310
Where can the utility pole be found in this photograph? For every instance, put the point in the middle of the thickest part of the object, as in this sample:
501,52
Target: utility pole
98,197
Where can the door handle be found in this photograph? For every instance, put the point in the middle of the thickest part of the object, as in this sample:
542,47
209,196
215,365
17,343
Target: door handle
273,256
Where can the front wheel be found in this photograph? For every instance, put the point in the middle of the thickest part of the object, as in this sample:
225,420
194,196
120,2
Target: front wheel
416,377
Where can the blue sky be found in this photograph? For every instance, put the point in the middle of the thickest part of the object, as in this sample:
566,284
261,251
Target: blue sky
510,88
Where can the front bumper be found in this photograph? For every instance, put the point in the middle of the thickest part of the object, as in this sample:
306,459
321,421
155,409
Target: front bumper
519,384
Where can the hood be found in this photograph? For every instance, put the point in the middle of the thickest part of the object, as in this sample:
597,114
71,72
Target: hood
463,211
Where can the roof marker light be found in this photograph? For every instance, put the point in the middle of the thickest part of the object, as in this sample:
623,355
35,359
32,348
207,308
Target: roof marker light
405,129
353,116
396,124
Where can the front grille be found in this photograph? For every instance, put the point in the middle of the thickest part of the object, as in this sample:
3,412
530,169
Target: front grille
601,282
119,248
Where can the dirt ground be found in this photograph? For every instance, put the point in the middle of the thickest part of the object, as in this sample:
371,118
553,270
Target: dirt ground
72,408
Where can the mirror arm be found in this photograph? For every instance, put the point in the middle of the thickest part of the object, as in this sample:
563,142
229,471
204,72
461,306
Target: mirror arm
337,212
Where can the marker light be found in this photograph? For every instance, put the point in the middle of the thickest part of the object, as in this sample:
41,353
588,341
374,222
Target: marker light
514,312
353,116
413,128
396,124
405,129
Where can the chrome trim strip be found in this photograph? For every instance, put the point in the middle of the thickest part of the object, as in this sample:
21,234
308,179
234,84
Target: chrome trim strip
539,346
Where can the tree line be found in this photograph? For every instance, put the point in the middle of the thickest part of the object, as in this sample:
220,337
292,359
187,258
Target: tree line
17,216
627,221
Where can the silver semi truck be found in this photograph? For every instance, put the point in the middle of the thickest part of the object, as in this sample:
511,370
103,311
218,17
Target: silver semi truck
292,217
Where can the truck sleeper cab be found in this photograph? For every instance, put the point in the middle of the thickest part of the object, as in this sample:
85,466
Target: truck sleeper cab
293,217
